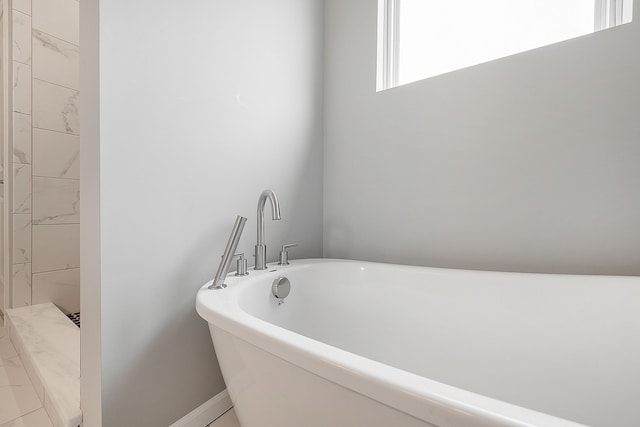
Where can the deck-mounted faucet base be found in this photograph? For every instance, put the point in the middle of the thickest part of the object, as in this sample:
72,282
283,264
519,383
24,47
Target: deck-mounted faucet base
261,254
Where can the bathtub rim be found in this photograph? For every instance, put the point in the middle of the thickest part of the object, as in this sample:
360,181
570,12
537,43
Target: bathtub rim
429,400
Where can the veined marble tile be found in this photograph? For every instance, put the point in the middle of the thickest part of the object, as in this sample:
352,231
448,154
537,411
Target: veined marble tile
12,372
52,345
3,236
28,367
55,247
21,138
56,201
60,18
7,350
22,285
1,151
23,6
22,238
59,287
21,37
63,406
55,60
21,188
55,107
17,396
21,88
37,418
56,154
16,401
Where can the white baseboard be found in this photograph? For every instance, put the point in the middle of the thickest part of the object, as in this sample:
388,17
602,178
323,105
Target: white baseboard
207,412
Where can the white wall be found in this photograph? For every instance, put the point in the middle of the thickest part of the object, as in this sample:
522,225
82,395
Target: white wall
190,110
528,163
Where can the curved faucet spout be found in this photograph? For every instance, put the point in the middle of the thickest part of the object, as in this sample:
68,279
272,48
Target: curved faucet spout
275,211
261,247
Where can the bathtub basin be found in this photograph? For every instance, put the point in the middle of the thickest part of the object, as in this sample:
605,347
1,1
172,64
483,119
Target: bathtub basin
366,344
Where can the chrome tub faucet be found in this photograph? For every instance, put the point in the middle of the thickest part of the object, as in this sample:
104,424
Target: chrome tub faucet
261,247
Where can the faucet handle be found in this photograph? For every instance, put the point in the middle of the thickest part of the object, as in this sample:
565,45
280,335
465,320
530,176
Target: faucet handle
284,254
241,264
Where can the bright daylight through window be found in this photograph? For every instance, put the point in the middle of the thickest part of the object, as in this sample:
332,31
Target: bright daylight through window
424,38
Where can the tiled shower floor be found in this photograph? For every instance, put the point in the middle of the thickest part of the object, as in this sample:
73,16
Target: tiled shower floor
19,403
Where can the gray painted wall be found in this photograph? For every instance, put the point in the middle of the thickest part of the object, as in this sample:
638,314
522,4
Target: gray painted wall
527,163
190,110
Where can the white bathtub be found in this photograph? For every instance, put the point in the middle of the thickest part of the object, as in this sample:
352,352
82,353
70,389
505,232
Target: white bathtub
365,345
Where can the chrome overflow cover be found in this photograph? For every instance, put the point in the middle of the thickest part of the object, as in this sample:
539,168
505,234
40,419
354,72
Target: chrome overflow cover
281,288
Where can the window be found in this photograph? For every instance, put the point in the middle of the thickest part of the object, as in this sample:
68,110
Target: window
424,38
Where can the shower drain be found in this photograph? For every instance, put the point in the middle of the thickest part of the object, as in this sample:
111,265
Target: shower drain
75,318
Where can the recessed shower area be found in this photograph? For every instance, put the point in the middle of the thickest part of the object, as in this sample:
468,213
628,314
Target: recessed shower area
40,211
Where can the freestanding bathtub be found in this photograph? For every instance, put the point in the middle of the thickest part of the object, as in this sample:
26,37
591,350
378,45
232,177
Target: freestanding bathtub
360,344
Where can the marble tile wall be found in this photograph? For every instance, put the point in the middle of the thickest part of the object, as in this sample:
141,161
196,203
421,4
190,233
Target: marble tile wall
46,147
22,6
2,166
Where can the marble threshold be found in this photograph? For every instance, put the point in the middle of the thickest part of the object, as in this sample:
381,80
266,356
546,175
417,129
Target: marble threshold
19,404
49,346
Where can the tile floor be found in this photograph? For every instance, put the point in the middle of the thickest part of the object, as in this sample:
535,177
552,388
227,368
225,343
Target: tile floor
228,419
49,346
19,403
